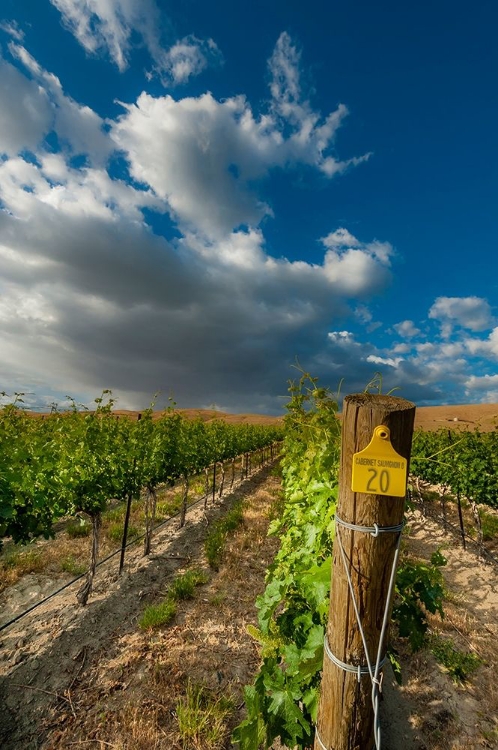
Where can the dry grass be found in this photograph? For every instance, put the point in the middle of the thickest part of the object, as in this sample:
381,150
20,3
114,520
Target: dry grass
459,417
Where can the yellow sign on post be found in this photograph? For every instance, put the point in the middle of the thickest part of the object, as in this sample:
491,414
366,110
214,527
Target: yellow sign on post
378,469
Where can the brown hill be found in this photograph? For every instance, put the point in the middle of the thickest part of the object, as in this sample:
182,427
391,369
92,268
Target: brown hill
207,415
460,417
457,417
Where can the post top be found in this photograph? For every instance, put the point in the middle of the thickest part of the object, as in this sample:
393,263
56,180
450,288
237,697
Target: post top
386,403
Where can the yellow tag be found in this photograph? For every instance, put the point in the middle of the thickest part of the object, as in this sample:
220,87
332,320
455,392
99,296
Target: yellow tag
378,469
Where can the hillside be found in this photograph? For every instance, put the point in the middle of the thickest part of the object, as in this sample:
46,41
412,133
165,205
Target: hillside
459,416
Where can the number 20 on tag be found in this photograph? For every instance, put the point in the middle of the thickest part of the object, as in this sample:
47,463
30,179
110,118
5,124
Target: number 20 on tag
378,469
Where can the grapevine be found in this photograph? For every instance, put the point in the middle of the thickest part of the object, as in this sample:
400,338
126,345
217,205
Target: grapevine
292,612
71,462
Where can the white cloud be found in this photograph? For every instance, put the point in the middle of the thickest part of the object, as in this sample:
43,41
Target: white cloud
401,348
482,383
356,362
450,350
16,306
110,25
184,150
406,329
78,126
389,361
102,301
25,112
186,58
202,156
363,314
485,348
357,268
92,298
429,371
483,387
342,337
340,239
13,29
312,137
25,187
473,313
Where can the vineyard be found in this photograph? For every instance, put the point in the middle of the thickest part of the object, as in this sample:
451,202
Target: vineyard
292,613
73,466
463,470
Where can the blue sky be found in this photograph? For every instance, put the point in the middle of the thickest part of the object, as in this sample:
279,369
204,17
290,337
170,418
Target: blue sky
193,195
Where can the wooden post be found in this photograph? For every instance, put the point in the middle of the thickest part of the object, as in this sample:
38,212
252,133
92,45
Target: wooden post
183,511
150,517
460,518
222,483
206,486
125,532
345,715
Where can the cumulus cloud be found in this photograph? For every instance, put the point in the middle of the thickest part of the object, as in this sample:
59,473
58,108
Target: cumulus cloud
473,313
406,329
204,157
359,268
340,239
483,382
26,187
187,58
184,149
401,348
26,115
110,25
485,348
91,297
77,126
355,362
483,387
440,370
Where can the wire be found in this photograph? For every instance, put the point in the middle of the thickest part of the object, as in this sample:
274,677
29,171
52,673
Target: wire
358,669
374,673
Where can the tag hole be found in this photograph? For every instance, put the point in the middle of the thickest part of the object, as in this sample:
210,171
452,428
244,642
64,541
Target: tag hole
383,434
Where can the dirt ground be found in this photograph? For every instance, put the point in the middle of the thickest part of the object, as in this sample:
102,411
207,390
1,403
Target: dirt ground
89,677
55,659
430,711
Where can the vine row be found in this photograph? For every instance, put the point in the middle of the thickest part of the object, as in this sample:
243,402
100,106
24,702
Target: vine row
73,462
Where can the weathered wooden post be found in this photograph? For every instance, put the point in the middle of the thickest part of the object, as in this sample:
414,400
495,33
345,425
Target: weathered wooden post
346,713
